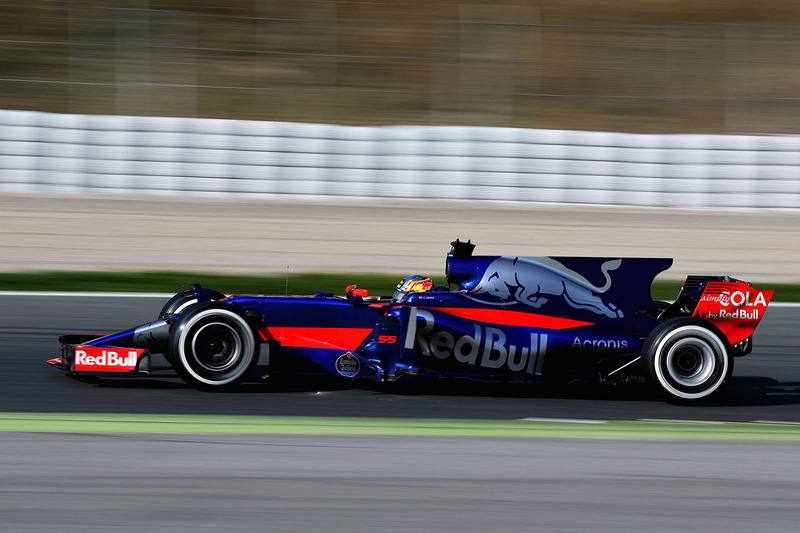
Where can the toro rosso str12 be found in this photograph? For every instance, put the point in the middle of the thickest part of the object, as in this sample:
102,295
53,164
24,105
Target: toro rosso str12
500,318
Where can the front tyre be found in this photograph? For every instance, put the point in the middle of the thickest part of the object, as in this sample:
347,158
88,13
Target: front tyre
688,359
184,299
212,346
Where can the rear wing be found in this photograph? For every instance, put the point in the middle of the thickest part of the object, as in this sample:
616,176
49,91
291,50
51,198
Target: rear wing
732,305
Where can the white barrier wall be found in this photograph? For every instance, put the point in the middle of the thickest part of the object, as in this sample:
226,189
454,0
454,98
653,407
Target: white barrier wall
147,155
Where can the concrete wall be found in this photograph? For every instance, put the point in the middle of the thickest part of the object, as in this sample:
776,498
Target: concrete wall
185,156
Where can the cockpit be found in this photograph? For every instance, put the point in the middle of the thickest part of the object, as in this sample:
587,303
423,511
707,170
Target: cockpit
410,284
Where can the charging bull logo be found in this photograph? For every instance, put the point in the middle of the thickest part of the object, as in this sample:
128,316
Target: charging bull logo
534,284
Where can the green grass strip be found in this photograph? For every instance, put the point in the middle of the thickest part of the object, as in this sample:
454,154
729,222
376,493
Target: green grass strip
260,425
172,282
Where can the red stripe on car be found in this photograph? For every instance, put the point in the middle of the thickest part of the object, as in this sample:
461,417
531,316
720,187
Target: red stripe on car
331,338
513,318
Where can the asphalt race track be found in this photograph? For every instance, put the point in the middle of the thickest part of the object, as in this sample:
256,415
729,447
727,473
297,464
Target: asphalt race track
140,482
202,483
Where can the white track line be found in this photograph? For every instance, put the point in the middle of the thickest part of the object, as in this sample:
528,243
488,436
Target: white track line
679,421
563,420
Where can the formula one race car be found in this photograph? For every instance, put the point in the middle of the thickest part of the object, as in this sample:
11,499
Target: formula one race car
500,318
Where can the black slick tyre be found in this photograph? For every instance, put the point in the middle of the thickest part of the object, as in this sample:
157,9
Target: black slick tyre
212,346
688,359
184,299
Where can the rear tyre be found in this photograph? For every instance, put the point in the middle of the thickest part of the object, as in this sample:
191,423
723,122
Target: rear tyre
688,359
212,346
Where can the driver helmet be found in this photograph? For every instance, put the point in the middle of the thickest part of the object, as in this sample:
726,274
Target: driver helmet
413,283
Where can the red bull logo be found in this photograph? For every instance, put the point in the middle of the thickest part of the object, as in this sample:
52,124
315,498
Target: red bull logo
96,359
487,347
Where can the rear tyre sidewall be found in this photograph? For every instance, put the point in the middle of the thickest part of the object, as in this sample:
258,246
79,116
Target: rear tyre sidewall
688,359
212,346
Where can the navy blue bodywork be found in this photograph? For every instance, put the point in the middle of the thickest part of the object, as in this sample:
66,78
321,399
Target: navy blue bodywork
500,317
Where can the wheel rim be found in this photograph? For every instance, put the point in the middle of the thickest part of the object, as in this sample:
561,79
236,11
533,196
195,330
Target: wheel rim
690,362
216,347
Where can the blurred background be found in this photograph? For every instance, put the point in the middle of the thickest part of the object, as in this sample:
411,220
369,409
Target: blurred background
620,104
661,66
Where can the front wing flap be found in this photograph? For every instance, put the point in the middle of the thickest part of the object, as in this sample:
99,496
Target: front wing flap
79,357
